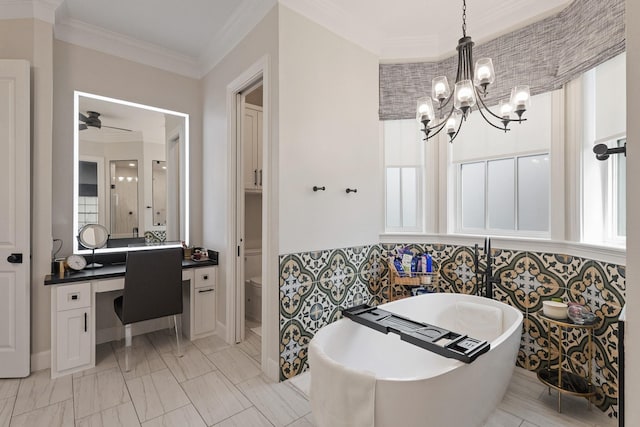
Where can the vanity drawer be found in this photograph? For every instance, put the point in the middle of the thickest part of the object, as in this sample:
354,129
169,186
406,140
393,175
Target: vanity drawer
70,297
205,276
109,285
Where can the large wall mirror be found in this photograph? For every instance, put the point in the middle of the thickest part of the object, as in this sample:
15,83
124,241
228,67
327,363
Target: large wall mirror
131,172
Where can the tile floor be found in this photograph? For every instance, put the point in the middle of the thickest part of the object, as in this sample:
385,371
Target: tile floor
216,384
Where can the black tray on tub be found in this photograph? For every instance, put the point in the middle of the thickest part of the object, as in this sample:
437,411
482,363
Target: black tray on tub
433,338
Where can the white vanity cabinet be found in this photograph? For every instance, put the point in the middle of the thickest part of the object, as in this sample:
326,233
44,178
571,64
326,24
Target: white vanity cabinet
72,328
202,314
252,147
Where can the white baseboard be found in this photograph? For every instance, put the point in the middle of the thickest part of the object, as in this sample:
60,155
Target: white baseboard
40,361
273,370
221,331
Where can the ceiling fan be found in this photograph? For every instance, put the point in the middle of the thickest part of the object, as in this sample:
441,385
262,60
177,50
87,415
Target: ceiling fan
92,119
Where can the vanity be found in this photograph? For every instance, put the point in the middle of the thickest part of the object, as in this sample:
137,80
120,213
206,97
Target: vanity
130,190
77,311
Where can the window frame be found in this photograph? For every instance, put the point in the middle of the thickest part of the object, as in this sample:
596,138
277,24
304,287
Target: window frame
460,229
421,187
612,190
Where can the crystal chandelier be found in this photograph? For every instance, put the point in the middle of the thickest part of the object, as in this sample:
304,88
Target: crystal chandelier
469,91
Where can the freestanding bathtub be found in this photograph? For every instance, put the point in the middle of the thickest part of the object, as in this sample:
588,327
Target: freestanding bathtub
413,386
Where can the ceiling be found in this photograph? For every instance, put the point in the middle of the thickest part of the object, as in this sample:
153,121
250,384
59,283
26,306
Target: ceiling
190,37
144,124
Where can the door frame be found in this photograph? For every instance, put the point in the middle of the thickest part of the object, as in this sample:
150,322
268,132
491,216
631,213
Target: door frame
240,296
260,70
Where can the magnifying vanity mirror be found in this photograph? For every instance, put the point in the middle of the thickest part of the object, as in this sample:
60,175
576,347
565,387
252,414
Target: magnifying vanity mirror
130,173
93,236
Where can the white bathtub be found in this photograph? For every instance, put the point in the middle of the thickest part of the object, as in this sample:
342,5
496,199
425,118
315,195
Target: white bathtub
413,386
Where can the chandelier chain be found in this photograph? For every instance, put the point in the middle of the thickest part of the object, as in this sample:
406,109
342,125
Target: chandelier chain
464,18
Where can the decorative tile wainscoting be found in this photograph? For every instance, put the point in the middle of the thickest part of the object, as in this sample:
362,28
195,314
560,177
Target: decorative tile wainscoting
316,286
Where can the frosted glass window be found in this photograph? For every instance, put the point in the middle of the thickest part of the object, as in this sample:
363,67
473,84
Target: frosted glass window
533,193
409,197
404,164
473,195
393,197
501,194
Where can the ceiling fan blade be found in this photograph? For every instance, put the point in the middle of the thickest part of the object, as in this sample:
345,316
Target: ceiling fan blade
82,126
113,127
82,117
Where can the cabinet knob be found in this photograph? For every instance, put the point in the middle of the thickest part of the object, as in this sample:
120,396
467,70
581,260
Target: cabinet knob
205,277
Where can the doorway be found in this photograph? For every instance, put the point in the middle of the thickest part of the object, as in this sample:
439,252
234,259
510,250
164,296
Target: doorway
249,220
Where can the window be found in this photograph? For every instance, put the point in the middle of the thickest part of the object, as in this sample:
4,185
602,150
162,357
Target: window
404,172
500,181
505,195
604,182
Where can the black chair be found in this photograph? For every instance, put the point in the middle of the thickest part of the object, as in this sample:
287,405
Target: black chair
152,289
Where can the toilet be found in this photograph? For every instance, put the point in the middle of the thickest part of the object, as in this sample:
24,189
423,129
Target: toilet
253,294
253,285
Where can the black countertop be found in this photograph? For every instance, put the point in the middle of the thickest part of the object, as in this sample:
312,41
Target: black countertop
109,271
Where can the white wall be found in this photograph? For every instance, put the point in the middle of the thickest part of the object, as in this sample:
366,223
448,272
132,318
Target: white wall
218,197
328,137
632,379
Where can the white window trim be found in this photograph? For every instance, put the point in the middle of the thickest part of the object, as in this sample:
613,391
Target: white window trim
496,231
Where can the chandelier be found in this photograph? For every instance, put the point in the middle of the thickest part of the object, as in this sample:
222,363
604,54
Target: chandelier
470,89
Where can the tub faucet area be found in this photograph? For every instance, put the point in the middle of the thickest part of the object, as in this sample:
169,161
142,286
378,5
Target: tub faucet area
485,278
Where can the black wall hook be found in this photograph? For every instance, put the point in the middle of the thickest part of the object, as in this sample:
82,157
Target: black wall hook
603,152
351,190
316,188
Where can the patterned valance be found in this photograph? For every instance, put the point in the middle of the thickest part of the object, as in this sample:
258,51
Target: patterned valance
544,55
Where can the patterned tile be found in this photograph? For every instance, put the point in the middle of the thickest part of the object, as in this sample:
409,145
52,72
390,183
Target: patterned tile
294,340
296,283
459,271
539,284
337,276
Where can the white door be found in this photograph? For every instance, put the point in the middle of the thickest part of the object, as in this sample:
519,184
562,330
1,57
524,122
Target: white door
74,338
14,219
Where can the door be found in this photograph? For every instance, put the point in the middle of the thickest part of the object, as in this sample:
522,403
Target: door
74,338
14,219
204,311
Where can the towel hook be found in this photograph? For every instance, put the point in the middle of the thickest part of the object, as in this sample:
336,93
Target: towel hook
603,152
351,190
316,188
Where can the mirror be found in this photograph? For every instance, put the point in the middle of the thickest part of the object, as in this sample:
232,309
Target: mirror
130,172
93,236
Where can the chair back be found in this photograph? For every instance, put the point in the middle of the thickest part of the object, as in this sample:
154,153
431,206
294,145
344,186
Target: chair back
152,285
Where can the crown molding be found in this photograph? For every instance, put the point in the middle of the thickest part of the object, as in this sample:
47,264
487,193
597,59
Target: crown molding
331,15
116,44
43,10
244,19
248,14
